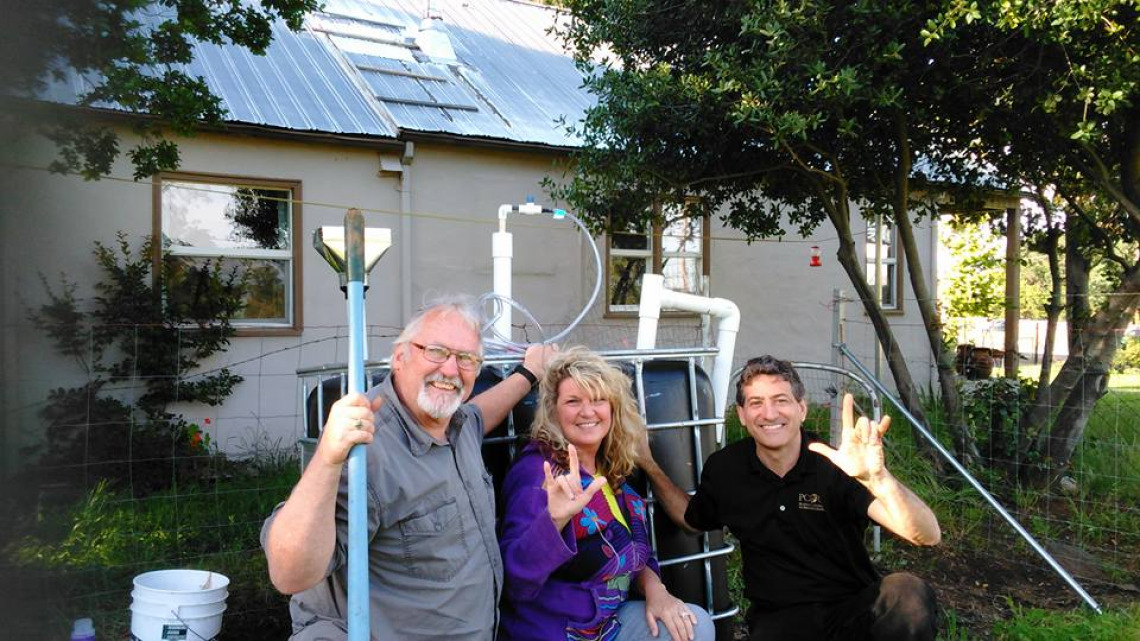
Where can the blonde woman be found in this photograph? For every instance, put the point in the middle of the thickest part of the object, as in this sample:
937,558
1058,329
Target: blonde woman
574,536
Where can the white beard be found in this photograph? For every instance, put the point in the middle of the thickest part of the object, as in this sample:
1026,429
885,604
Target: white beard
440,406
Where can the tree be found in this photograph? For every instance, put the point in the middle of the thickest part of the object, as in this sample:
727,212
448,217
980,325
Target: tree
131,51
779,111
773,112
139,349
1064,112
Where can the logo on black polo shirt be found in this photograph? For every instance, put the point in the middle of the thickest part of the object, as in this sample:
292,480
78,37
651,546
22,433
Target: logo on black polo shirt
813,502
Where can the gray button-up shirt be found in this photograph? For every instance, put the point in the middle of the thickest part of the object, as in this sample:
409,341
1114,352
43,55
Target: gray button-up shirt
434,564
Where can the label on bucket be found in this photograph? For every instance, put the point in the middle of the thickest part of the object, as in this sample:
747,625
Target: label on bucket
164,632
174,632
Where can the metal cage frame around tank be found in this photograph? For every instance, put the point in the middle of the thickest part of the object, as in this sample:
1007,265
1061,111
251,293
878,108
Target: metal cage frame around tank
696,423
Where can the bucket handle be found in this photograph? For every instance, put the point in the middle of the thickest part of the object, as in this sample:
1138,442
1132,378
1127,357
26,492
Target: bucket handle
174,611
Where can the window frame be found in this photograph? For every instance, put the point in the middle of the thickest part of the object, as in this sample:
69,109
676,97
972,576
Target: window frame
892,261
295,297
655,256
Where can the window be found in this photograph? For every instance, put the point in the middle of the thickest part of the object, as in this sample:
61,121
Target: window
249,226
631,256
674,248
889,281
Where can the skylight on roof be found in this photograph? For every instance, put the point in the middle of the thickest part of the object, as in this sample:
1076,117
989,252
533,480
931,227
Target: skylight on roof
372,48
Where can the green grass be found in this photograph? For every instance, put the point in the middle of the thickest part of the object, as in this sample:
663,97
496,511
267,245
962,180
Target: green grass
80,560
1083,624
951,629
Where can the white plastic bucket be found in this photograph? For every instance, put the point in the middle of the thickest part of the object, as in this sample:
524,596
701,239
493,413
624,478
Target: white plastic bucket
178,605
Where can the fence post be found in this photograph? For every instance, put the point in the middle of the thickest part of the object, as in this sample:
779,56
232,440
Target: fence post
836,339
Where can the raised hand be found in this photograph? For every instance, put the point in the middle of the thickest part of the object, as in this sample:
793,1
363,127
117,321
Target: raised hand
349,423
564,494
860,453
537,356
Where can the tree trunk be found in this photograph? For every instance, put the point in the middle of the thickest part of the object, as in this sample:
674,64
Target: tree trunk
1053,311
839,212
1069,428
1093,341
964,443
1035,424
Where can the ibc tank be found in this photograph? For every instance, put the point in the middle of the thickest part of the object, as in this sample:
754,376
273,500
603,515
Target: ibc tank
669,399
322,396
502,444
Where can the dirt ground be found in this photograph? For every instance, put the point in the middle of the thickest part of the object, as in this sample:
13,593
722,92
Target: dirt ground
982,584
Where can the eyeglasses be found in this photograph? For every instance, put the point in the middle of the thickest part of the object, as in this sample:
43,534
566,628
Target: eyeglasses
440,354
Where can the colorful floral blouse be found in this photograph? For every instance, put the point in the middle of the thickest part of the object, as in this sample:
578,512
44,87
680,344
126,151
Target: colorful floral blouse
567,584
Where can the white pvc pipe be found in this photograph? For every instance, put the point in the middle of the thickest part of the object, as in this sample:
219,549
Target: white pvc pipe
654,298
502,251
649,311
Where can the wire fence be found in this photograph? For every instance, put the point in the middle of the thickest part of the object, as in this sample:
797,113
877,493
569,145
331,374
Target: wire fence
136,493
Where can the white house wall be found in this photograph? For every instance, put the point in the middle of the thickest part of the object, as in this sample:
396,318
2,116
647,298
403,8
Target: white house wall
787,306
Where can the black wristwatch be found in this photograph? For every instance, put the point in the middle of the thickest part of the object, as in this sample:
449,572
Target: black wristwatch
527,374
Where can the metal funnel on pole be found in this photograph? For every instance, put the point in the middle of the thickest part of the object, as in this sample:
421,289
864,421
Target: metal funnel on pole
331,243
352,251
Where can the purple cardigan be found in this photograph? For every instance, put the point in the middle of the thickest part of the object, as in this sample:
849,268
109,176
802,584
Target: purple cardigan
545,595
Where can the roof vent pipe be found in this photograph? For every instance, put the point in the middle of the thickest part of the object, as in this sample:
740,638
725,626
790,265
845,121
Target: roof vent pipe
433,39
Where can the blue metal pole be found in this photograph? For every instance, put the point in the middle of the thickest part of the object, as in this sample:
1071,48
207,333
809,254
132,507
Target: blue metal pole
359,628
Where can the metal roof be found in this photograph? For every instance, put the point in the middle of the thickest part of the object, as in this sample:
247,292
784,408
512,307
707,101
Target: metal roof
509,80
362,67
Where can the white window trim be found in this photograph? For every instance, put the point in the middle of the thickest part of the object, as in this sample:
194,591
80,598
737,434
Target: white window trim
890,264
646,255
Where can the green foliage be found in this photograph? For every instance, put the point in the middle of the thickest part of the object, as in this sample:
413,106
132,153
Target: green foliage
975,285
132,51
1097,38
134,345
774,111
1033,624
950,628
88,552
1035,286
993,408
1128,356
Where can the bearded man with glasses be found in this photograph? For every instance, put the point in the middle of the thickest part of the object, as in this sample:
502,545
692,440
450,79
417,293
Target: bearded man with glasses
434,565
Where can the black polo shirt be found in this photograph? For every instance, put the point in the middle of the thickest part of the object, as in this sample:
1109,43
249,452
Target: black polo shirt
801,536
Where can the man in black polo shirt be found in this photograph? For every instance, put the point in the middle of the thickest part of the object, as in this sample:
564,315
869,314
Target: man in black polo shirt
800,510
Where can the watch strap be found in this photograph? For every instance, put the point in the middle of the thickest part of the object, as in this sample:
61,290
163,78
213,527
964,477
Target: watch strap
526,373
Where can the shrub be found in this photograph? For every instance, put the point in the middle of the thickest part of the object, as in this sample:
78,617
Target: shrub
134,345
992,408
